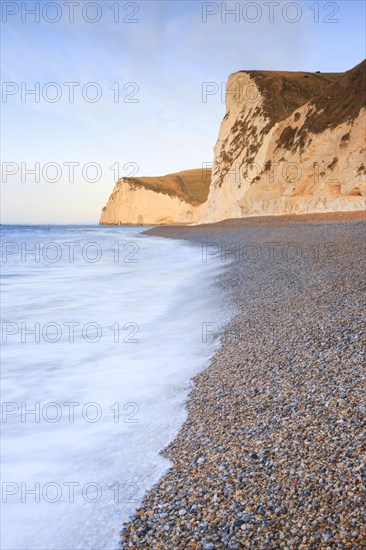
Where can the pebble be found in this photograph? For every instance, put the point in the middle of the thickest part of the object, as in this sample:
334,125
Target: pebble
280,412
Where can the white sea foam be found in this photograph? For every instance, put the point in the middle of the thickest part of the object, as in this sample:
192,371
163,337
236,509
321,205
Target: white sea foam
161,300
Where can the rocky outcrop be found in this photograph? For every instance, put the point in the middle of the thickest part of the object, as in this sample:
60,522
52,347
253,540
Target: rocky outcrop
290,143
174,198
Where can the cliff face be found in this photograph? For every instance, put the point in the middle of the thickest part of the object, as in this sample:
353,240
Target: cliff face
290,143
174,198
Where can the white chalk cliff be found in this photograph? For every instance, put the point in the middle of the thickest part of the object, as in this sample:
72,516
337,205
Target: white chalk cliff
289,143
174,198
278,154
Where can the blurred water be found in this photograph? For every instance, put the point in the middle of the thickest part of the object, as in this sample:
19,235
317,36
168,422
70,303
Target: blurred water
74,470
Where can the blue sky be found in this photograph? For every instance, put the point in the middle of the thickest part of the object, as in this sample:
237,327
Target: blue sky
160,61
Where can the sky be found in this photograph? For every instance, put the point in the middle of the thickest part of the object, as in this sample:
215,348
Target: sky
119,87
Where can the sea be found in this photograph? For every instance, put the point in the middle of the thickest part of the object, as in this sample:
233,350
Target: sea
103,329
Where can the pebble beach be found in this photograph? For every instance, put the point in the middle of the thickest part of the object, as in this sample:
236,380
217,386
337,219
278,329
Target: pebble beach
273,452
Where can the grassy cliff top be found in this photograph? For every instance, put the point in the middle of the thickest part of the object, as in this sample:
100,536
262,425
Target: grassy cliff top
284,92
339,102
191,186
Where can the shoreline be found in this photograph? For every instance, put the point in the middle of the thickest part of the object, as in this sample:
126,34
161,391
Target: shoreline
238,223
349,215
272,453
